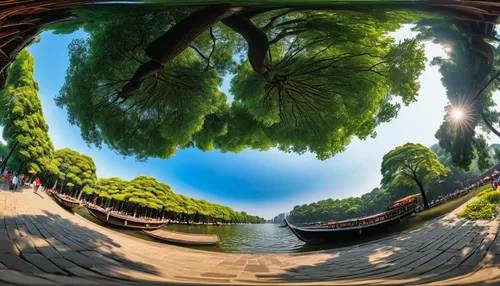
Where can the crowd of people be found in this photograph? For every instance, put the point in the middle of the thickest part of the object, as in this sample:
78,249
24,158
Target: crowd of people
15,180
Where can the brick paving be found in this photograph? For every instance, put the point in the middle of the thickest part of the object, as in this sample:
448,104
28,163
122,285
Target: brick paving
44,244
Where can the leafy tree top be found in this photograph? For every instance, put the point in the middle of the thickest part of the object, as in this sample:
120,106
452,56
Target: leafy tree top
23,119
75,168
409,163
312,80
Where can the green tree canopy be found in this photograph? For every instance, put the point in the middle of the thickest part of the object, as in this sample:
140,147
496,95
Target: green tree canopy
312,80
468,74
75,169
24,125
411,164
149,193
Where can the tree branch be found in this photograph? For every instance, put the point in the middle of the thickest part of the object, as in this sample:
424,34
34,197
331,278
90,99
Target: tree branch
490,126
256,39
213,48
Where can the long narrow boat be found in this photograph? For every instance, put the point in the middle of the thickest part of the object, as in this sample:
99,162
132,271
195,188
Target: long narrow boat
67,201
183,238
123,220
353,228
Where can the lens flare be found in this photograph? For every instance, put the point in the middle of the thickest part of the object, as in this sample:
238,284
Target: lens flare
457,114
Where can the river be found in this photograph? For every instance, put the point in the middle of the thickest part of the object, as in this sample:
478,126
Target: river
269,238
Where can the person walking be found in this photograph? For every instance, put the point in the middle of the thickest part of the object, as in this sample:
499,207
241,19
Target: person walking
36,185
15,182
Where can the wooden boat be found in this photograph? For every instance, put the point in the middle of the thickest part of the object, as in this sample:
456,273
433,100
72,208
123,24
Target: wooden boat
67,201
123,220
353,228
183,238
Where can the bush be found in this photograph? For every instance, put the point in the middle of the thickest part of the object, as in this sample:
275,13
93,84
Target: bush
481,208
486,192
492,197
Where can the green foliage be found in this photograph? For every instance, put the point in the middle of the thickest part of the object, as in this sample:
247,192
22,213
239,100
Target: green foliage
496,154
4,150
148,192
75,169
492,197
482,208
326,210
379,199
464,72
485,192
334,75
411,163
164,114
22,117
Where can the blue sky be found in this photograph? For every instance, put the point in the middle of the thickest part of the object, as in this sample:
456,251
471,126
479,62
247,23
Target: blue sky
261,183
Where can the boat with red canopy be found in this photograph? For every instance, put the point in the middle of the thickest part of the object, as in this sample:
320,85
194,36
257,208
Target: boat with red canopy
351,228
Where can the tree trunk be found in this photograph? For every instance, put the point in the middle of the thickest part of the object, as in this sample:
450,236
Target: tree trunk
135,211
169,45
55,184
21,166
4,163
490,126
258,44
80,194
422,191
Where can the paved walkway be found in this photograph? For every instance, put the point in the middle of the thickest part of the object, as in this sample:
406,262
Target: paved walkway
41,243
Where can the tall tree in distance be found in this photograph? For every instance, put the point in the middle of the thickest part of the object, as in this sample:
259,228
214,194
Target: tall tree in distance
24,125
411,164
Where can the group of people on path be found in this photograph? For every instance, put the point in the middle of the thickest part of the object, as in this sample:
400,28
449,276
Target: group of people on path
15,180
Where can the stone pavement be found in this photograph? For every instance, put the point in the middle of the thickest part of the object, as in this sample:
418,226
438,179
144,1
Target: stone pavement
41,243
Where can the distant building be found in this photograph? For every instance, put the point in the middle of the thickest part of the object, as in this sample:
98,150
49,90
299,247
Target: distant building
280,218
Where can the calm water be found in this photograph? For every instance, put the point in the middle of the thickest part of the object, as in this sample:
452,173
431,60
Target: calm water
269,238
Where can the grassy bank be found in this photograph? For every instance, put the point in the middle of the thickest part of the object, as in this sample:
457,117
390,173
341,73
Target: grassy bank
485,207
450,205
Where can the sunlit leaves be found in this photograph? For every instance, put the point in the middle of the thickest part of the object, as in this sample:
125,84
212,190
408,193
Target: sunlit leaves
148,192
75,168
330,74
22,117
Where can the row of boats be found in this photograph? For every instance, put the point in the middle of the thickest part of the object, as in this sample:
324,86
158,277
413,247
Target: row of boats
326,232
150,227
353,228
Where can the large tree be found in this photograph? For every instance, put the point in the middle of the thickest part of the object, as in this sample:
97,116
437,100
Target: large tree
24,125
311,80
76,171
412,164
469,74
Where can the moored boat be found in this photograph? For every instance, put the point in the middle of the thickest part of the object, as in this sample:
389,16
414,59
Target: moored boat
122,220
183,238
353,228
67,201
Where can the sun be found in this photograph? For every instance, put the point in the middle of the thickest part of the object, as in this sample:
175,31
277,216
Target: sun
457,114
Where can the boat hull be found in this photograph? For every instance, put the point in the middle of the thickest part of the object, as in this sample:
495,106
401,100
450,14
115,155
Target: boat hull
180,238
323,234
67,203
123,222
